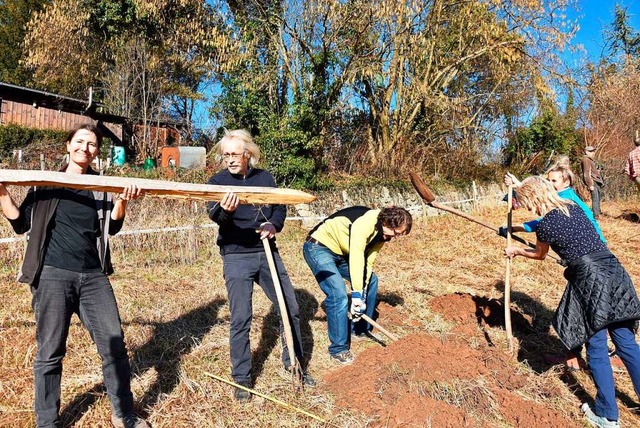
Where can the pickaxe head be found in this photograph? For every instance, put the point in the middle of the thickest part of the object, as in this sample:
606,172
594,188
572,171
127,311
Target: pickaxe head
422,188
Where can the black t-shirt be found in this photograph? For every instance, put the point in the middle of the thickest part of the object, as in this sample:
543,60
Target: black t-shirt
73,232
570,236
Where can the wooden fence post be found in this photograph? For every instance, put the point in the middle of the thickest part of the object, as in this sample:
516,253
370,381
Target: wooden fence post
475,195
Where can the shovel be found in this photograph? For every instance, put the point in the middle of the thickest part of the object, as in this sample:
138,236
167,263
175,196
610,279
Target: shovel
296,371
507,275
384,331
429,197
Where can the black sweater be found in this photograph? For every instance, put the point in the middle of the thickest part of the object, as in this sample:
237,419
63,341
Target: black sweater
237,232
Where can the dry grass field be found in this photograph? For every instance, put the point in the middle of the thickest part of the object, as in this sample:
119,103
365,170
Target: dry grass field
440,289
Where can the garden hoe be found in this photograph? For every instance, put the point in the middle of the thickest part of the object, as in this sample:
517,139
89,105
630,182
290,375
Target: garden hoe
384,331
430,198
296,370
368,319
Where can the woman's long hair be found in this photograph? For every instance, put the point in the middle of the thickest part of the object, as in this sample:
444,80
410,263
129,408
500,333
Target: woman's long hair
538,195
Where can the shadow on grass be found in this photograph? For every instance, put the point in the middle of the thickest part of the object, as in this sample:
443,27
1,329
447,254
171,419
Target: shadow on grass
532,329
390,298
629,216
530,326
270,333
164,351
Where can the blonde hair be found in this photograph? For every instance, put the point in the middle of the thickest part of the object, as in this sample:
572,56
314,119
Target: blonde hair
562,160
567,174
538,195
243,136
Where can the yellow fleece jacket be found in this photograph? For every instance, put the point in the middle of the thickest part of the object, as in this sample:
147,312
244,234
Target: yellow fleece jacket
355,234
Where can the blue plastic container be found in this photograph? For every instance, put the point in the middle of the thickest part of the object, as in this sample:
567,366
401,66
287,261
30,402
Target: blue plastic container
118,155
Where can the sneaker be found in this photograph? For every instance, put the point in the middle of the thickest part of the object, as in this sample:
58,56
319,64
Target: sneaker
241,394
306,378
343,357
597,421
128,421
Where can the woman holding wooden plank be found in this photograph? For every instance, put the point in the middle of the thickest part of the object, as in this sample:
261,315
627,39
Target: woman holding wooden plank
66,263
599,297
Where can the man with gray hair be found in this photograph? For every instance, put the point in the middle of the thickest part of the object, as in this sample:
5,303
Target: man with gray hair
632,169
242,228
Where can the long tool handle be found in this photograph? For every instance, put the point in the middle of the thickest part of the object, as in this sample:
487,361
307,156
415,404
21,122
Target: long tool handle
485,224
507,275
284,314
379,327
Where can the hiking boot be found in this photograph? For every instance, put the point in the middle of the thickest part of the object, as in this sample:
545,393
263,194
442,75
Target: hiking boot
343,357
597,421
130,420
240,394
305,377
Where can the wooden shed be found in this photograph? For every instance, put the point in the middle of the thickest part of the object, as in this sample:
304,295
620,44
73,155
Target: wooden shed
33,108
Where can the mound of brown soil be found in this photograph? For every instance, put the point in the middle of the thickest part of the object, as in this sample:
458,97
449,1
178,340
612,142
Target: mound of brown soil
425,380
466,310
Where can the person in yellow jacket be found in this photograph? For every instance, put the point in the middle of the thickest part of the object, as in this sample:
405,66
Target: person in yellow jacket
344,247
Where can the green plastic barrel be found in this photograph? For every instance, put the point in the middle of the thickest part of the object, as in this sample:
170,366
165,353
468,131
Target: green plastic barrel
149,164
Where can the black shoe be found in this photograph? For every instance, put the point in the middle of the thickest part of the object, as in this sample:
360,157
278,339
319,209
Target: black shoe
306,378
240,394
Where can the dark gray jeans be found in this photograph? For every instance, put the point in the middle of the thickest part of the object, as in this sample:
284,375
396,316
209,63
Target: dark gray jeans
241,270
58,294
596,197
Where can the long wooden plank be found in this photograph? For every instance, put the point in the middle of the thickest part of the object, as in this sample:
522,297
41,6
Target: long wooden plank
167,189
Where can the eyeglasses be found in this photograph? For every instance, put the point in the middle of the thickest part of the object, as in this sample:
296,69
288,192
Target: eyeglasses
399,232
227,156
396,233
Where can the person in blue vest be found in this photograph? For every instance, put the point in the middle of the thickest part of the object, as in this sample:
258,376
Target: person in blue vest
600,297
240,234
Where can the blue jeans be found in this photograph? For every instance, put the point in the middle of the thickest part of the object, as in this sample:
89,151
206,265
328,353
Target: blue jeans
331,270
598,356
57,295
241,270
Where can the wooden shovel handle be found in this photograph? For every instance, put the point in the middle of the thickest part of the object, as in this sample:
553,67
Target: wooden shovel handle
379,327
507,275
487,225
284,313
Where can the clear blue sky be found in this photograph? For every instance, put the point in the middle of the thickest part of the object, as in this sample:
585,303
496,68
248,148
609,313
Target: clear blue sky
594,17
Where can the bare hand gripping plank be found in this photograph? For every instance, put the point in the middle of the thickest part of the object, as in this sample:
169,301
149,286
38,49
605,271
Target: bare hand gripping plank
167,189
